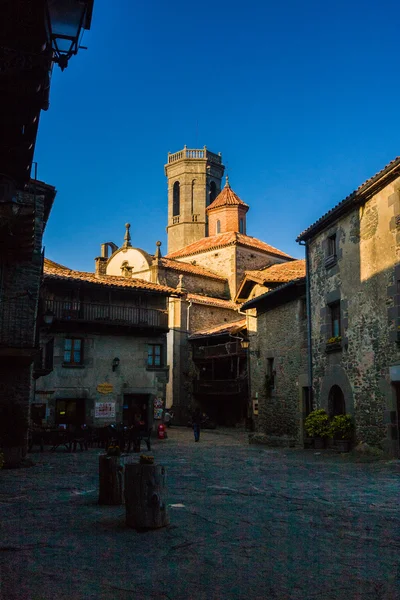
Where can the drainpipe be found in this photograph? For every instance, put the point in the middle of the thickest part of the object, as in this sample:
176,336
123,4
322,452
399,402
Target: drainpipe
188,317
309,328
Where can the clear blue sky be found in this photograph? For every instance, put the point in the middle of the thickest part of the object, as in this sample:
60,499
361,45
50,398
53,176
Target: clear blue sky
301,98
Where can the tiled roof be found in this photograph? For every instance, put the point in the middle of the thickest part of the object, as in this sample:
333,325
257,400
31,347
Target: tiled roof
353,199
234,327
231,238
54,270
273,294
198,299
176,265
281,273
227,198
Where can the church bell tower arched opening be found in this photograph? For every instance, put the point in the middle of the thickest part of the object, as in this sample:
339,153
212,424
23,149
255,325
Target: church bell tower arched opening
194,181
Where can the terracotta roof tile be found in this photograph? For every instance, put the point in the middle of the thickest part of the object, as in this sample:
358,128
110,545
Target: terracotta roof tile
231,238
281,273
353,198
199,299
274,293
54,270
177,265
227,198
234,327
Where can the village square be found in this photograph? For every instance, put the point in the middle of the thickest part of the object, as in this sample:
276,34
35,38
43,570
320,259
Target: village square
209,411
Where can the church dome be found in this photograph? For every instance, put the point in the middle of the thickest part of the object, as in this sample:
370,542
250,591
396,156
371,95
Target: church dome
227,198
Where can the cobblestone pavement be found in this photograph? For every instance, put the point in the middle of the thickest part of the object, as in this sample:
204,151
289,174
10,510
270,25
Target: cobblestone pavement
256,523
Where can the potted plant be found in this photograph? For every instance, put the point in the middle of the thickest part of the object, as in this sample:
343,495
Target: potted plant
317,427
341,430
13,433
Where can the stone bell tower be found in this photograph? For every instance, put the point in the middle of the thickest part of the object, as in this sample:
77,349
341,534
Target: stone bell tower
194,181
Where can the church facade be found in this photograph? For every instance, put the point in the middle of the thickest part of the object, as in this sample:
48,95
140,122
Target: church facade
207,257
209,253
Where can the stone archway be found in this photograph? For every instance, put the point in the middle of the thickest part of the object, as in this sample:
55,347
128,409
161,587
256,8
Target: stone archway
336,401
336,376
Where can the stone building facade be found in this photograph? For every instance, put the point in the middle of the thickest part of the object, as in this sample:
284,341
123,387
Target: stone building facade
108,345
278,362
194,181
22,222
208,253
354,280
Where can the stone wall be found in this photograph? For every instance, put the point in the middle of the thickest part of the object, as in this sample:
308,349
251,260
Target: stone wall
131,377
279,335
232,262
194,177
196,284
20,282
204,317
365,280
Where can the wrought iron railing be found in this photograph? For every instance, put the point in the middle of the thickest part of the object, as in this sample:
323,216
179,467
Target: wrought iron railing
107,313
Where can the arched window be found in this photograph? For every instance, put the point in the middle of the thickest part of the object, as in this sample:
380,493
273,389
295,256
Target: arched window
218,227
192,197
336,403
176,194
241,226
213,192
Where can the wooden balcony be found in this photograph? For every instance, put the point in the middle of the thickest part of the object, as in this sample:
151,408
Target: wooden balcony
233,348
107,314
220,386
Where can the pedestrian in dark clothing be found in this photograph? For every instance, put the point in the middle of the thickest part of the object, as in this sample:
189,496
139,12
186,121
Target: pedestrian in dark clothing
196,422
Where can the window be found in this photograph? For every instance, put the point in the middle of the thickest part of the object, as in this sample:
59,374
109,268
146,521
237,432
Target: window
335,319
332,245
218,227
213,192
192,197
241,226
73,351
154,355
176,199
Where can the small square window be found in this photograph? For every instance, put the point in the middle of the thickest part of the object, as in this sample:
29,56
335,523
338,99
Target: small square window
73,351
332,245
335,319
154,355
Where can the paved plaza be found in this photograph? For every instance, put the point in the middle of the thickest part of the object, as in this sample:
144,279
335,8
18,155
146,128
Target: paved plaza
248,522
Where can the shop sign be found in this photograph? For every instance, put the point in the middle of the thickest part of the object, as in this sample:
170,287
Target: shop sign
104,410
105,388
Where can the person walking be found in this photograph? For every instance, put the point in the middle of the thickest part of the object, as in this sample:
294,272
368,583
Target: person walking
167,418
196,423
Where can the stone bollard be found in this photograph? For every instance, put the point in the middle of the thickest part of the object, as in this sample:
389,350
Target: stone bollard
145,496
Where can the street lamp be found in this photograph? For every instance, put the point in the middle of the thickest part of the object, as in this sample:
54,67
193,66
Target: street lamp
64,21
48,317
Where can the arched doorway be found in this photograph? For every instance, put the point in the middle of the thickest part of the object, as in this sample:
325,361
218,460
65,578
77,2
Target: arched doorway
336,403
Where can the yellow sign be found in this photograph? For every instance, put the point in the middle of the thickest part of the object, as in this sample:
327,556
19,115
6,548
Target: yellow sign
105,388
